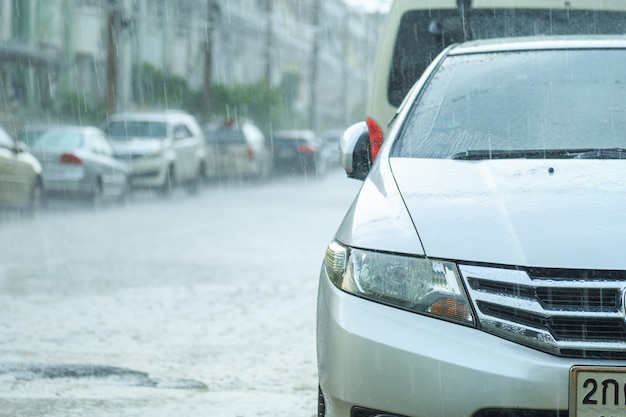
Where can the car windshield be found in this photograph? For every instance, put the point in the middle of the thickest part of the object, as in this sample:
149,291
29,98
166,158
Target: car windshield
136,130
520,104
28,136
439,28
57,139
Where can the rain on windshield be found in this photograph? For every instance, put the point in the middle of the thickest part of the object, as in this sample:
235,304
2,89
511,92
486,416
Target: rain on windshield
524,101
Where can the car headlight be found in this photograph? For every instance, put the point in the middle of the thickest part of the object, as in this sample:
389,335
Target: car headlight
155,153
421,285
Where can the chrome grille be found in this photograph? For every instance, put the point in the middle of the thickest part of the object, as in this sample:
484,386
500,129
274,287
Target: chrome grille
574,313
129,156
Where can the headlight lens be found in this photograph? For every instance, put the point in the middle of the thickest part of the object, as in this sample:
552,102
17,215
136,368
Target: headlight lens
421,285
155,153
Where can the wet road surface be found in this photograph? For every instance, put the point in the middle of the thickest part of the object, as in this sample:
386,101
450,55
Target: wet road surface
200,305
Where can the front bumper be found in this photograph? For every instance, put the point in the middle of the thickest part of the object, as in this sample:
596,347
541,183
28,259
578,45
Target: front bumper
381,358
148,172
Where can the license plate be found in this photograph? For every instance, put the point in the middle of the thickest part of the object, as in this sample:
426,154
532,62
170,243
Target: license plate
597,392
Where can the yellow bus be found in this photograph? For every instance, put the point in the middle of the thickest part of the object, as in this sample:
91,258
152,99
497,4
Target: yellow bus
415,31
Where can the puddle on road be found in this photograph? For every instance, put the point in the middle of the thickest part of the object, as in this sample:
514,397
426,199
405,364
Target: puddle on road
16,372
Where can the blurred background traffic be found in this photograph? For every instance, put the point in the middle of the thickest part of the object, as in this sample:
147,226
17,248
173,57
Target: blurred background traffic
102,97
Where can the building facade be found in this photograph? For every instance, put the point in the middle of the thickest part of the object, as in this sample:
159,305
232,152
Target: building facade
319,51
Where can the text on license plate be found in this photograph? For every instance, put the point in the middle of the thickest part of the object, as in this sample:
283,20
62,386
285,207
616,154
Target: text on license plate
597,392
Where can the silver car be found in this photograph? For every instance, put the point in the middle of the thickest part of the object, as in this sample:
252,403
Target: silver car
480,270
78,163
238,150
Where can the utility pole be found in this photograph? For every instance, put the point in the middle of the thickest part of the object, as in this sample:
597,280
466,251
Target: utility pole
345,33
137,28
113,19
314,64
208,58
29,36
268,41
464,9
68,45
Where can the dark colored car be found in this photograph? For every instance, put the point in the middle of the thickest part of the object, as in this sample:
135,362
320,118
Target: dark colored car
298,151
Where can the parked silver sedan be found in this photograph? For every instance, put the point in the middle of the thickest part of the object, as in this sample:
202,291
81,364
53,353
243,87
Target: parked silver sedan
78,163
480,270
238,150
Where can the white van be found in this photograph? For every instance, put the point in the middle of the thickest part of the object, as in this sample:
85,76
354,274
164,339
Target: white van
416,31
162,148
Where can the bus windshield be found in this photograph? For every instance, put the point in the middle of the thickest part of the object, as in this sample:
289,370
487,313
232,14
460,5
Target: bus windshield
425,33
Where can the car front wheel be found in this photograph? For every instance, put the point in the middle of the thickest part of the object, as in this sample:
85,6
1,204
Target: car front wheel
97,195
168,184
194,183
37,199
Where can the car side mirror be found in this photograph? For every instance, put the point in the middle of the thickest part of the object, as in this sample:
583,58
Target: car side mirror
354,151
20,147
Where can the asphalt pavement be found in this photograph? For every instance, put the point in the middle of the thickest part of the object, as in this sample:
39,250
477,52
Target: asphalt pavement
199,305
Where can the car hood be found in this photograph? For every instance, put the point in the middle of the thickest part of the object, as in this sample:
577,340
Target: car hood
543,213
134,146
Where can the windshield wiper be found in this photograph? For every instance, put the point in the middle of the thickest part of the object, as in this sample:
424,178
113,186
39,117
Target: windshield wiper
609,153
589,153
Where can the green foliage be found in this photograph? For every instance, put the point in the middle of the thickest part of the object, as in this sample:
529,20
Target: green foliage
80,108
289,84
270,107
258,102
164,91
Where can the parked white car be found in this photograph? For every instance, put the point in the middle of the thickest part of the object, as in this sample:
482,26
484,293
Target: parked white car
163,149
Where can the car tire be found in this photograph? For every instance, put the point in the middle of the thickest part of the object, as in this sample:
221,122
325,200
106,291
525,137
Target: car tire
37,199
166,189
193,186
260,175
97,196
266,170
311,167
203,175
320,166
125,193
